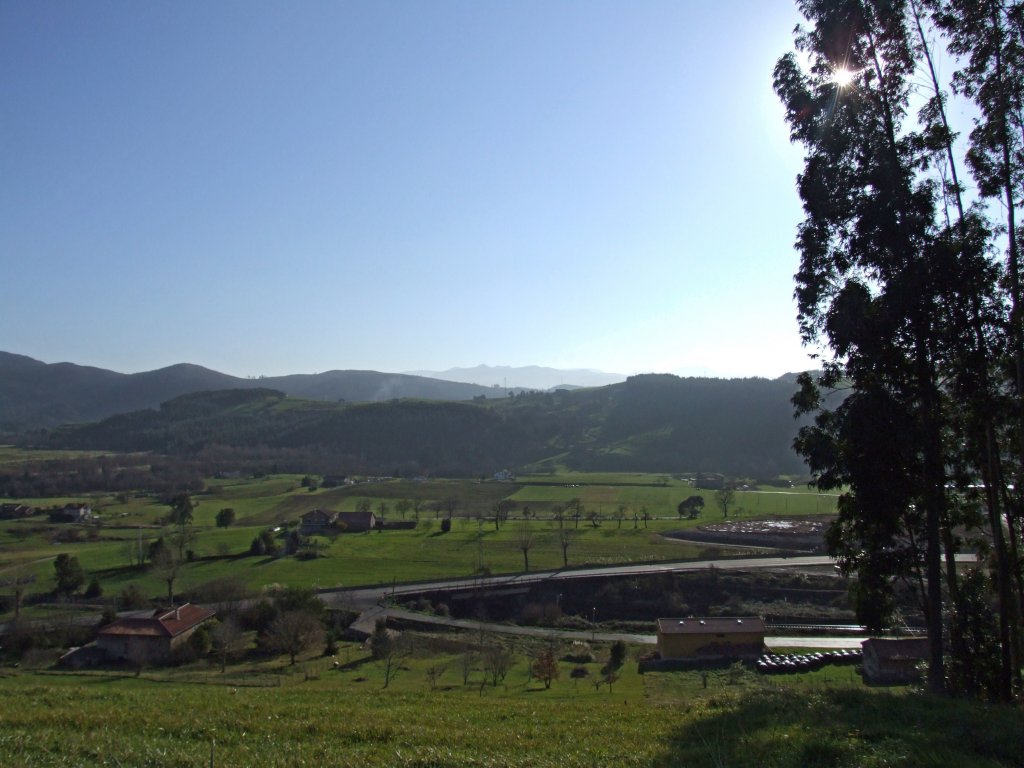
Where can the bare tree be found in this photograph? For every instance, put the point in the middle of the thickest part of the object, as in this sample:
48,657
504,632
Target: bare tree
565,540
18,581
293,632
575,509
166,565
467,661
228,641
545,667
620,514
389,649
402,506
451,503
181,516
524,540
434,673
498,662
724,499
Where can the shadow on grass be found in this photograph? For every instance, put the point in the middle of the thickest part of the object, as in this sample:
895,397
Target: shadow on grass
799,728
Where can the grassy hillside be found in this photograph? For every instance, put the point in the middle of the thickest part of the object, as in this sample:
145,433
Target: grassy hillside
315,715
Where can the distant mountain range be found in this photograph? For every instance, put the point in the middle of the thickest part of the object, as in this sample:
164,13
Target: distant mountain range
371,421
528,377
34,394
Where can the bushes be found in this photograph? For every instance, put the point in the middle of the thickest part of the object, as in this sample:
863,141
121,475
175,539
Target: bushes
580,653
540,613
131,599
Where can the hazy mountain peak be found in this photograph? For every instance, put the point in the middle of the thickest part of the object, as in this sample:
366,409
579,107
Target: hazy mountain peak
528,376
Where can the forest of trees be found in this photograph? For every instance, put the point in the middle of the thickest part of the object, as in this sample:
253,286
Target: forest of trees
651,423
909,283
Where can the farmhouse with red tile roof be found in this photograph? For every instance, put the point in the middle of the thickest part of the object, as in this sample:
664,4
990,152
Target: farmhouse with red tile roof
151,639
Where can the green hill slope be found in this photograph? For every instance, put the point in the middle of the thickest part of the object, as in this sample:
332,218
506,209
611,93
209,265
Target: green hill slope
654,423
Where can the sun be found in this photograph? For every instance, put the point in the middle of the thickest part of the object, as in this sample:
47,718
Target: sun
844,77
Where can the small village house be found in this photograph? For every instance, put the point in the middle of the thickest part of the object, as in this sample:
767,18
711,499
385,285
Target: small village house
15,511
357,522
893,660
151,639
711,638
323,521
72,513
317,522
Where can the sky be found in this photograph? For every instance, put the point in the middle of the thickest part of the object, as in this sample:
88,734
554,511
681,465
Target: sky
267,188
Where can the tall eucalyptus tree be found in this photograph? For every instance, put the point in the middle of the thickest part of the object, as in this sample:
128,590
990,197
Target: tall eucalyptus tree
988,38
873,282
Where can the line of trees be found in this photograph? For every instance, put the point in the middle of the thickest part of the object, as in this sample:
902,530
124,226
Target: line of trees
909,286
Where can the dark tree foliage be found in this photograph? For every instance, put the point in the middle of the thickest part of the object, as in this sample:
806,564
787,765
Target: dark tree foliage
293,632
69,574
897,289
648,423
225,517
691,507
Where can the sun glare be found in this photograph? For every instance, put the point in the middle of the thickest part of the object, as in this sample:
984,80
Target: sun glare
844,77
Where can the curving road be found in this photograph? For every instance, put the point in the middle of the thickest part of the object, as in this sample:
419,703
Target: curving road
372,605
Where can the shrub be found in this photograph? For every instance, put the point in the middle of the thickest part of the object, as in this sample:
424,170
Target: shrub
131,598
108,616
579,653
424,605
94,589
201,641
540,613
258,616
617,656
331,645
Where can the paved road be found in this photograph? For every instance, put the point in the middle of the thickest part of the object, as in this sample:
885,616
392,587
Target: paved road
371,601
362,595
606,637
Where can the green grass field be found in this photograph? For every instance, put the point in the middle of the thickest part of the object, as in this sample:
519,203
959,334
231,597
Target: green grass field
271,715
30,545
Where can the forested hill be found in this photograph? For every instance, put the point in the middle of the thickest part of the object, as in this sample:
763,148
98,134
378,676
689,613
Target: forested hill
34,394
655,423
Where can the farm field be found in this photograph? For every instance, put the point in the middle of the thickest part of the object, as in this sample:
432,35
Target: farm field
425,552
311,714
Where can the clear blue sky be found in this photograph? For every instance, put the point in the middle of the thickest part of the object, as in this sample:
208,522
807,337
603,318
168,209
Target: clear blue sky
270,188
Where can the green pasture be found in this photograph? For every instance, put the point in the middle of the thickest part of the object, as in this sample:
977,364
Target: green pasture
30,545
10,456
603,478
270,714
384,557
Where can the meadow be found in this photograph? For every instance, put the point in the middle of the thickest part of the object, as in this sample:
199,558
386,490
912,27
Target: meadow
315,714
474,542
337,711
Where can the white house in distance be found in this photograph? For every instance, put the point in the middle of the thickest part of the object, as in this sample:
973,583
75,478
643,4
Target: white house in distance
72,513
